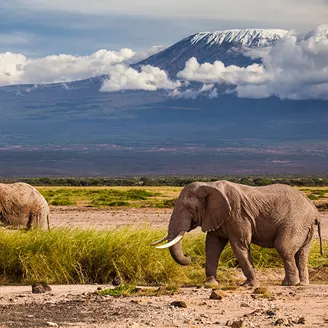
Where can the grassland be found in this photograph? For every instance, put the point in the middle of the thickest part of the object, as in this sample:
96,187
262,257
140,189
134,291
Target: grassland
137,196
88,256
111,196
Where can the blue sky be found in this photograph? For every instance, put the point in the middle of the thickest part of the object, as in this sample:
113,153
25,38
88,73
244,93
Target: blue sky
37,28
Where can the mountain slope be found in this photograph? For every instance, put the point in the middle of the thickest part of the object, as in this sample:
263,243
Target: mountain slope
227,46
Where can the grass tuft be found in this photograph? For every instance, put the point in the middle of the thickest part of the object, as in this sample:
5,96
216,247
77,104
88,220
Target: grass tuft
90,256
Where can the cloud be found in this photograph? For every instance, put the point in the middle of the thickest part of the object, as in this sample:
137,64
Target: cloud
296,67
219,73
18,69
207,90
149,78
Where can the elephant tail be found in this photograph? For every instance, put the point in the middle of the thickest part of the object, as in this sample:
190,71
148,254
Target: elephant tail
320,239
48,221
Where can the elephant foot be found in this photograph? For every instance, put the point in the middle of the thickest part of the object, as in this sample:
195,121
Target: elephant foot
290,281
251,283
304,282
211,281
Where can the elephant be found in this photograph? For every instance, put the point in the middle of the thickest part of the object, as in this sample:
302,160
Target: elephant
275,216
22,206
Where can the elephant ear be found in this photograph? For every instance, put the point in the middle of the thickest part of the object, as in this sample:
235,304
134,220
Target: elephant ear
217,208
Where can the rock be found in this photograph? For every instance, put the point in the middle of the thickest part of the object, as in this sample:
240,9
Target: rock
271,312
51,324
117,281
217,295
300,321
281,322
236,324
179,304
38,288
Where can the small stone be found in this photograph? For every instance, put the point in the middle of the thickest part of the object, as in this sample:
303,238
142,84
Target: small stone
236,324
244,305
179,304
51,324
271,312
117,281
301,321
38,288
217,295
281,322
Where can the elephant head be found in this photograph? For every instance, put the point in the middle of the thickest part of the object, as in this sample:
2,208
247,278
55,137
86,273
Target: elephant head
199,204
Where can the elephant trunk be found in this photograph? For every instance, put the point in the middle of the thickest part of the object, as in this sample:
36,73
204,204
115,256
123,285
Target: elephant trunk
179,225
177,254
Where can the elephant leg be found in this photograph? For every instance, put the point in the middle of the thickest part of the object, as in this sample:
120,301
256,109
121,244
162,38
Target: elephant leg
214,248
287,253
301,258
242,253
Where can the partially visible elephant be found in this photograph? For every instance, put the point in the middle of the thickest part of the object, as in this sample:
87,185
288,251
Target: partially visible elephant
276,216
22,206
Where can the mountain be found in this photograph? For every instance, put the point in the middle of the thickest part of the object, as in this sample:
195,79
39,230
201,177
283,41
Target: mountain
228,46
74,129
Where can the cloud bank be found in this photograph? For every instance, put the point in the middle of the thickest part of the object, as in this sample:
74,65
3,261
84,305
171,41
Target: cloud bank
296,67
149,78
18,69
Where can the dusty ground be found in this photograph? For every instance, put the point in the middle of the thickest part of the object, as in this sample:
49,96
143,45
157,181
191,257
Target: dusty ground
86,217
79,306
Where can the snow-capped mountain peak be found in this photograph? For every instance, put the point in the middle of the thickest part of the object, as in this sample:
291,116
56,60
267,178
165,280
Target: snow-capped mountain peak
244,37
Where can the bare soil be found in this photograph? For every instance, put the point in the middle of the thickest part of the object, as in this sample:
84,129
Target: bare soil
79,306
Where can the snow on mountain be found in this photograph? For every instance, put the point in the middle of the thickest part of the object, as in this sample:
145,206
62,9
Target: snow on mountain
247,38
228,46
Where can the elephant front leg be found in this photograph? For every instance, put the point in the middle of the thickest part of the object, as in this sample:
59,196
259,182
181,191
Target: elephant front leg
214,248
243,255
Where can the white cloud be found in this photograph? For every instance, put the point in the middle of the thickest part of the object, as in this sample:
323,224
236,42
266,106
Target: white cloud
207,90
149,78
296,67
219,73
18,69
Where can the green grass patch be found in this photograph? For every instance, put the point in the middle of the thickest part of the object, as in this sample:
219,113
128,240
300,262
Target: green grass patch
89,256
133,290
96,197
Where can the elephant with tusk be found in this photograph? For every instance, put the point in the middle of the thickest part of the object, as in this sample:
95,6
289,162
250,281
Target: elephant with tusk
276,216
22,206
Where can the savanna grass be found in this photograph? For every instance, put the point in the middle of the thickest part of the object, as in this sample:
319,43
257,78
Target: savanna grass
90,256
98,196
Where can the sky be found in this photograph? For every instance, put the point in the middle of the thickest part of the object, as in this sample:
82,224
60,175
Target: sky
44,41
39,28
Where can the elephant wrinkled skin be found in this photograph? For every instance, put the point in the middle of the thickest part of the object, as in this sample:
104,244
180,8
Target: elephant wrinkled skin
22,206
276,216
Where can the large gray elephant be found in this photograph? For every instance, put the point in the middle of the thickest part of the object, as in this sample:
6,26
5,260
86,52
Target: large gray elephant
22,206
276,216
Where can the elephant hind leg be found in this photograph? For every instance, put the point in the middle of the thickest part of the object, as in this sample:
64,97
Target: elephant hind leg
301,258
286,248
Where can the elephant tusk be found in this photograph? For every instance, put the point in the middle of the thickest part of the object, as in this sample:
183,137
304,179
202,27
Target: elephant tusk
160,241
174,241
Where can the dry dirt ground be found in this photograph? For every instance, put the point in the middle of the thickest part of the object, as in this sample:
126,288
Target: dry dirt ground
80,307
